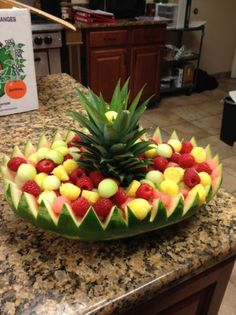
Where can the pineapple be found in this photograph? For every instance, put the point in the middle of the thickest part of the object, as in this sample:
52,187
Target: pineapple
113,142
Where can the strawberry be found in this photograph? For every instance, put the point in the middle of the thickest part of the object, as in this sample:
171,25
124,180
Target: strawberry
85,183
186,147
186,160
191,177
45,166
80,206
31,187
77,173
144,191
96,177
103,206
120,197
175,157
160,163
203,167
73,142
14,163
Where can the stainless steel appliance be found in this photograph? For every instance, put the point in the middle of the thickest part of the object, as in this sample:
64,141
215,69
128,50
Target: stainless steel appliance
47,43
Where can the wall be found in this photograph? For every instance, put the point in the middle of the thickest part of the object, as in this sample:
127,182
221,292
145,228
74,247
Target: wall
220,37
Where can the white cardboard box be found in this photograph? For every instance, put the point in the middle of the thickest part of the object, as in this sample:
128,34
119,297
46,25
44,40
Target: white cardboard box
18,89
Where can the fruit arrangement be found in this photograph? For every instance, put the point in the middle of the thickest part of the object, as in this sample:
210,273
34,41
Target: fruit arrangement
109,179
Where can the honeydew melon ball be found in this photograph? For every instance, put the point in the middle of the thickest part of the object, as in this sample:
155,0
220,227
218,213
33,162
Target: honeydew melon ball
199,188
26,172
70,191
51,182
199,154
39,178
48,195
151,153
154,176
55,156
107,188
140,208
41,153
58,143
62,150
164,150
169,187
33,157
111,115
205,178
176,144
174,173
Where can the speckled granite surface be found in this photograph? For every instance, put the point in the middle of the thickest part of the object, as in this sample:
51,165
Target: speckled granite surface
43,274
124,23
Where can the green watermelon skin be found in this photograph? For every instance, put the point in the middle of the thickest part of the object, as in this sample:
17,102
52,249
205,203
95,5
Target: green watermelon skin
90,228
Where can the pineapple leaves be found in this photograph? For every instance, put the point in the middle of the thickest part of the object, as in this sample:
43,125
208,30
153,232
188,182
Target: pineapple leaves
111,145
116,100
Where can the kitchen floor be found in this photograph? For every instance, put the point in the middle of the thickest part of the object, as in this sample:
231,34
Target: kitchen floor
200,115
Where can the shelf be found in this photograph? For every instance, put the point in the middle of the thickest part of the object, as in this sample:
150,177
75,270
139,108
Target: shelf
184,59
175,89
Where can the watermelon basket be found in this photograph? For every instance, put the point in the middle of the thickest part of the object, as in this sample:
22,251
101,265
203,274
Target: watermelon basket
109,180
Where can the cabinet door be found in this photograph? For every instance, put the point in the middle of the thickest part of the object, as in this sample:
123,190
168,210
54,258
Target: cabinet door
106,68
146,69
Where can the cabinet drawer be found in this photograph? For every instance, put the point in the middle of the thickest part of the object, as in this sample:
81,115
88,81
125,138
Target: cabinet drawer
108,38
148,36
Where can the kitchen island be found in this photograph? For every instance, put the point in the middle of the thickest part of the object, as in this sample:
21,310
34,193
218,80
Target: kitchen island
185,267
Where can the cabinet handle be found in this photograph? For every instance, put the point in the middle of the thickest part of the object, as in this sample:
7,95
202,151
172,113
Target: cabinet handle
109,38
37,59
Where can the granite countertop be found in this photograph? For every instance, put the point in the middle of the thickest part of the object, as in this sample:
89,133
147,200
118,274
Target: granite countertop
42,273
125,23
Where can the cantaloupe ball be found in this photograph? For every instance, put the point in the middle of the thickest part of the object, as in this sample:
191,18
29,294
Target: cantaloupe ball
70,191
140,208
199,154
205,178
169,187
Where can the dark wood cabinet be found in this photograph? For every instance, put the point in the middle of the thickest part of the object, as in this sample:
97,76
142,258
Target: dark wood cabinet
119,53
145,69
106,66
200,295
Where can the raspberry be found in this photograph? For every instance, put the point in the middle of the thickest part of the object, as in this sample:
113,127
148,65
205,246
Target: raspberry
103,206
141,156
73,142
84,183
80,206
96,177
68,157
186,160
120,197
45,166
76,174
203,167
14,163
191,177
160,163
144,191
186,147
32,188
175,157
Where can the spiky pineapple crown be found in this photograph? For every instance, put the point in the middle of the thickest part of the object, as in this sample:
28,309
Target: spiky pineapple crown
112,145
